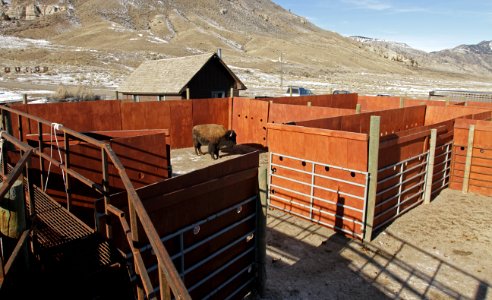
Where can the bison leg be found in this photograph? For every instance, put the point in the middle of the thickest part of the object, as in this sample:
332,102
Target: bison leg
197,148
213,149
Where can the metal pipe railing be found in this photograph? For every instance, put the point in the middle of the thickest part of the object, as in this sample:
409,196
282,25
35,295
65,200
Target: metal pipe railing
136,207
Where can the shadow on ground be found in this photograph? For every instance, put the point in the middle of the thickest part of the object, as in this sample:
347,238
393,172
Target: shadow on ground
306,261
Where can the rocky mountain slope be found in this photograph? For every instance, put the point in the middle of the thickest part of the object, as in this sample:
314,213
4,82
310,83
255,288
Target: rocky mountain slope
112,37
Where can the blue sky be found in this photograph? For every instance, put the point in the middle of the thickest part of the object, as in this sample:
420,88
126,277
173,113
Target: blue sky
429,25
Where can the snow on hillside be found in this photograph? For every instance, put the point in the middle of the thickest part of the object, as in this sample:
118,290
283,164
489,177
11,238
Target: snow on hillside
11,42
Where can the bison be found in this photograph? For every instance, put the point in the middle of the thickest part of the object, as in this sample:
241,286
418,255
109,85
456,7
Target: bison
213,135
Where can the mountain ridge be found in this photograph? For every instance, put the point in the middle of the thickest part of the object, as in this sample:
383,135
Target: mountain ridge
117,35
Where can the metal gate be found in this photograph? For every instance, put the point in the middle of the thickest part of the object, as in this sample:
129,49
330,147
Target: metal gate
329,195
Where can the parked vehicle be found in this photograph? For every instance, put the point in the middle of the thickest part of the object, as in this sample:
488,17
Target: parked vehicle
338,92
296,91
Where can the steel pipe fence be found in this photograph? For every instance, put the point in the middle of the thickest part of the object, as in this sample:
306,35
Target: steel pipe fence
179,257
275,187
418,188
441,177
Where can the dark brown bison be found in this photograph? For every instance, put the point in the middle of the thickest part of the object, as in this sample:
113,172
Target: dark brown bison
213,135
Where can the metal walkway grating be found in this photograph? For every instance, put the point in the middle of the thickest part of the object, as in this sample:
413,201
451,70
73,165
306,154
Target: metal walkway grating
56,230
55,226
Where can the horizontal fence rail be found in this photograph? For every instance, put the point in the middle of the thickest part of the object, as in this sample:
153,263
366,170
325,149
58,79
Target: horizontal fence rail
441,177
404,195
285,190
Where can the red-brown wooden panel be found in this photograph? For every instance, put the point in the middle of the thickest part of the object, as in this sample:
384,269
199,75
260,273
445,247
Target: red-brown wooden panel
144,154
282,113
208,203
480,179
212,111
249,119
436,114
146,115
181,124
319,145
348,101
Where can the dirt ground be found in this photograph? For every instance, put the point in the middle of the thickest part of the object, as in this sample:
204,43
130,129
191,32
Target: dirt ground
438,251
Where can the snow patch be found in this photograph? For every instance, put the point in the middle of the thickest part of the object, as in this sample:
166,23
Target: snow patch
7,96
11,42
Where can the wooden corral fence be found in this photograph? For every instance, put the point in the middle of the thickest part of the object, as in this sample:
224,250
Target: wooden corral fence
337,101
472,157
59,230
376,103
249,119
178,116
313,175
144,153
249,116
357,173
207,221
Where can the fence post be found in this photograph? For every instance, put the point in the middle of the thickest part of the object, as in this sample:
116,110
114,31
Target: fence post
67,165
357,108
165,291
430,166
187,93
373,176
41,146
261,228
24,98
469,154
105,186
402,102
117,95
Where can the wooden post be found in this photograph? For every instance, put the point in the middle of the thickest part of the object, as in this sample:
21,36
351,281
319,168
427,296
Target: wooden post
117,95
357,108
13,216
290,89
164,289
261,222
430,166
66,139
24,98
232,92
373,176
105,186
309,104
41,162
187,93
12,211
402,102
469,154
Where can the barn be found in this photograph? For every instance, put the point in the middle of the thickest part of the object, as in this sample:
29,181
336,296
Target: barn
190,77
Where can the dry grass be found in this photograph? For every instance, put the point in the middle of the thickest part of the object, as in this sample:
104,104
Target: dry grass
78,93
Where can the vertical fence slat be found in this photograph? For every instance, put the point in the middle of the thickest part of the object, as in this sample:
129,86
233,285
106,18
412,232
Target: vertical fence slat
469,154
67,165
430,166
41,164
164,289
105,186
373,175
261,216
